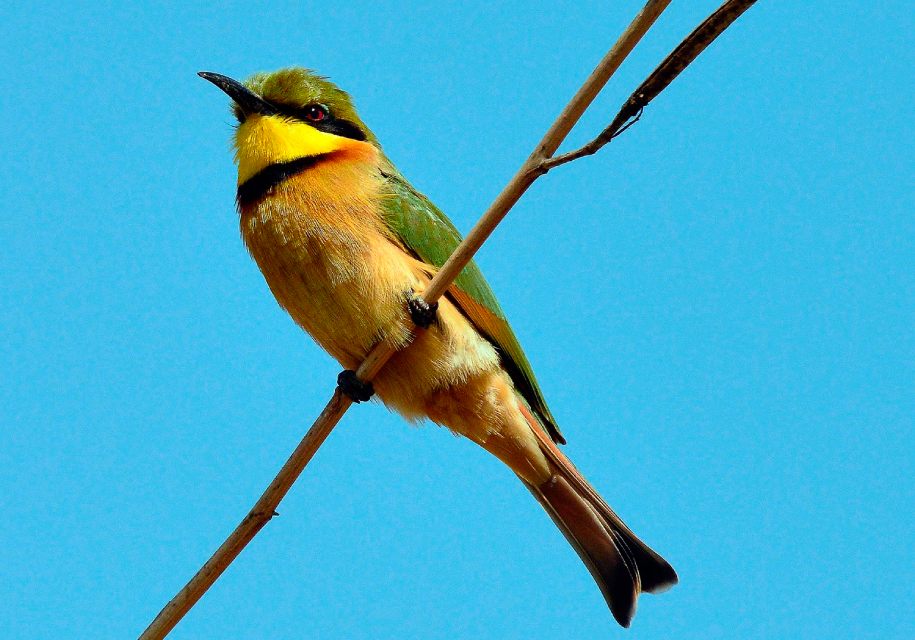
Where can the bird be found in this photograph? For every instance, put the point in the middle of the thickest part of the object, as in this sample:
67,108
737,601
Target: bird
347,246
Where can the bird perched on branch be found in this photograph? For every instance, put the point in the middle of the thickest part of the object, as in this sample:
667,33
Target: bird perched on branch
347,246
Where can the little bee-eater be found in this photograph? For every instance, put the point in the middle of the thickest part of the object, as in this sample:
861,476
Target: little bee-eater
347,246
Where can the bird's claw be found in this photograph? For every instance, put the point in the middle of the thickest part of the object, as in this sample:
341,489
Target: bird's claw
353,388
422,313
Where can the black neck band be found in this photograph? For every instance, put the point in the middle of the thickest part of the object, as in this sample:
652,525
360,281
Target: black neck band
258,185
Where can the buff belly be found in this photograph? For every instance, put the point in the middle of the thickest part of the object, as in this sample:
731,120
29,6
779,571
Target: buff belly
347,287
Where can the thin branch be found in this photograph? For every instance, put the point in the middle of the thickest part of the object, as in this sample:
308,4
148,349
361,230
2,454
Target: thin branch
265,508
529,171
687,51
261,513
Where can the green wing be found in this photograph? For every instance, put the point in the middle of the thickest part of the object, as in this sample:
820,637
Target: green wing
431,236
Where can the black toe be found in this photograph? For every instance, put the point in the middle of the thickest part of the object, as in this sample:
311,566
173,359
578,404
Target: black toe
353,388
422,313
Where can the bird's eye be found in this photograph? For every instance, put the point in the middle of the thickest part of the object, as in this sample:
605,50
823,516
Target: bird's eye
316,112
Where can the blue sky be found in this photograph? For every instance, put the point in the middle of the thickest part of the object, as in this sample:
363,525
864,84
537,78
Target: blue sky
719,307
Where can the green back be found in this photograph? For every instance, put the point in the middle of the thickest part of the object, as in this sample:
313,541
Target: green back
431,236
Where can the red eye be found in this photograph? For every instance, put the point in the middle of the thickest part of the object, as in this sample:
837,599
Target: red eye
316,112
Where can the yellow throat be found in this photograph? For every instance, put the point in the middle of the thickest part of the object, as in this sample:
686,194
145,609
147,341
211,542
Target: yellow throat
261,141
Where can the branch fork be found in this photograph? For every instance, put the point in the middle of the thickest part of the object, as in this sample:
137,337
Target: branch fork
541,161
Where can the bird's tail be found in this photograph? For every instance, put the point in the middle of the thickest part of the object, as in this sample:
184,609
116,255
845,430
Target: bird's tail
622,565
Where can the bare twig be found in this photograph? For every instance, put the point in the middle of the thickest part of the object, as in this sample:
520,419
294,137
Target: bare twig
529,171
534,167
687,51
266,505
260,514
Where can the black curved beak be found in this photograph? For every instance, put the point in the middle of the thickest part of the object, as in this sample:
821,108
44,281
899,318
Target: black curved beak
250,102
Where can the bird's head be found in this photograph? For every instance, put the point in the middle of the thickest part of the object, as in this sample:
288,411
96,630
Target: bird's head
291,114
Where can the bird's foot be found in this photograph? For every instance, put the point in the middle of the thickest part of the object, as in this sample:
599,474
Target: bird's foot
353,388
422,313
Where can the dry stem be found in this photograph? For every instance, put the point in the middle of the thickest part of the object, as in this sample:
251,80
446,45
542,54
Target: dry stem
535,166
687,51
